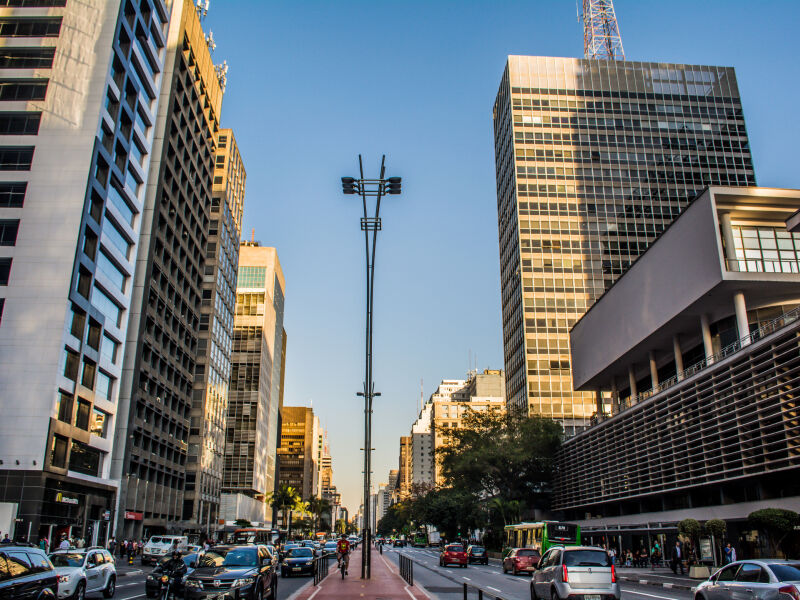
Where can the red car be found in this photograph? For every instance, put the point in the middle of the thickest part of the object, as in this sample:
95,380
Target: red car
521,560
453,554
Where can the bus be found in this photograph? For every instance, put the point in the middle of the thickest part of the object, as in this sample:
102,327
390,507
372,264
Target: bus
419,539
255,535
541,535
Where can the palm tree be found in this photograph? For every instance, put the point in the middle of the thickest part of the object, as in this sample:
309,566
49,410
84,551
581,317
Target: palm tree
318,507
286,499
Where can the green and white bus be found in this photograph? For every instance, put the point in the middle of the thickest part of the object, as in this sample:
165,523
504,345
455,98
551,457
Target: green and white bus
542,535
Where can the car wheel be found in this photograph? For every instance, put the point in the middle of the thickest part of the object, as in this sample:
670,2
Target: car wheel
274,589
533,592
504,569
110,588
514,572
80,591
554,594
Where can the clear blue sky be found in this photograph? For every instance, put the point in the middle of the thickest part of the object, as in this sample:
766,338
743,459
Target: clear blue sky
312,84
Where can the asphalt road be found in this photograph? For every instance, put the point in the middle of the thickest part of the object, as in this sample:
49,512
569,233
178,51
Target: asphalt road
447,583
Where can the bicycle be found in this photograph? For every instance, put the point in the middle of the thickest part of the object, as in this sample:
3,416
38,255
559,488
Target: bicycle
343,565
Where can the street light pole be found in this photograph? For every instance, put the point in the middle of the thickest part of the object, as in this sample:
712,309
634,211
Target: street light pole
373,188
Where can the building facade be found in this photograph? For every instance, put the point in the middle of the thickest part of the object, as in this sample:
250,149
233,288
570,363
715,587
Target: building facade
403,488
205,464
296,454
696,347
252,426
79,94
594,158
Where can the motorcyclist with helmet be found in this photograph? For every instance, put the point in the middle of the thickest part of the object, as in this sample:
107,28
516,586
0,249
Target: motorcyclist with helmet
174,569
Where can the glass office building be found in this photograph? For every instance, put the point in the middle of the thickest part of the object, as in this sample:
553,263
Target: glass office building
79,91
594,159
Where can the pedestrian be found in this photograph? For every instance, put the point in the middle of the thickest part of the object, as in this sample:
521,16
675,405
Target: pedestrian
628,558
6,539
64,545
730,554
677,558
613,556
79,542
112,543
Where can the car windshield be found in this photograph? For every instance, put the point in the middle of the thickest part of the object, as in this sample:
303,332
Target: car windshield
301,553
330,544
586,558
155,540
477,549
229,557
786,572
526,552
455,548
67,560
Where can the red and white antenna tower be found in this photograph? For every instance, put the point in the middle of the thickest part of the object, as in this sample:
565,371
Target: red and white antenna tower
601,37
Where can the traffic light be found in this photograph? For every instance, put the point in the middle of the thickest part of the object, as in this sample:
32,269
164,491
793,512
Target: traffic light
393,185
348,185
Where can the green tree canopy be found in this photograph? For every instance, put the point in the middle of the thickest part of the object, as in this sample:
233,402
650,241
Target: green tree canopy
716,527
242,523
510,455
689,528
777,523
452,511
397,519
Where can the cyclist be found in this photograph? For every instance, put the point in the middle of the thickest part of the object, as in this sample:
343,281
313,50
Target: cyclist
343,552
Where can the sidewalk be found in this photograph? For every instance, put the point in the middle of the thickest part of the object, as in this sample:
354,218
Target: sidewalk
385,584
662,577
123,568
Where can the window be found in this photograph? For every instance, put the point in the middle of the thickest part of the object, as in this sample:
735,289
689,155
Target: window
16,158
728,573
112,271
26,58
22,123
30,26
749,572
5,270
90,243
120,203
109,349
93,337
23,89
58,454
4,574
84,282
12,194
115,236
84,459
18,564
64,408
105,386
82,415
33,3
8,232
71,365
39,562
107,306
99,423
89,371
78,323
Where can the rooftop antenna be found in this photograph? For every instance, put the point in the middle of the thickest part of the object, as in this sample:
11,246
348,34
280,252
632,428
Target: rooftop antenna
601,37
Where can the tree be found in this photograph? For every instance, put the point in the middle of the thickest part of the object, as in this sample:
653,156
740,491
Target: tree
454,512
287,499
510,455
776,522
716,528
318,507
242,523
397,518
690,528
508,510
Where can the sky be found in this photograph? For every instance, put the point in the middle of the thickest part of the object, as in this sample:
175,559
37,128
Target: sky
312,84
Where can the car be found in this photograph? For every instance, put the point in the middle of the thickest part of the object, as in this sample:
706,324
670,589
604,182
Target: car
233,572
27,574
453,554
329,548
575,572
521,560
159,546
152,584
763,578
288,547
398,543
84,571
477,554
299,561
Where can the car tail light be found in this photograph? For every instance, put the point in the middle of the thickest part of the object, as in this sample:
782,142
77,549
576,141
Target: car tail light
613,574
566,576
790,591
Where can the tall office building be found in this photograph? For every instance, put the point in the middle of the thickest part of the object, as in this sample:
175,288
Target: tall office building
212,373
151,449
594,159
79,90
252,428
299,438
404,471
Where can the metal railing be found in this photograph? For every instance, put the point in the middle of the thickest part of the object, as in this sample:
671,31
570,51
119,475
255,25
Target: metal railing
321,568
758,265
763,331
407,569
481,592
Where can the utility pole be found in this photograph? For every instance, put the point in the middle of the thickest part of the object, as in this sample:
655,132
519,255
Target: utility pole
601,36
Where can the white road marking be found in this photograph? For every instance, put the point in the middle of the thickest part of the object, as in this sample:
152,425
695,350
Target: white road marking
494,588
467,578
645,594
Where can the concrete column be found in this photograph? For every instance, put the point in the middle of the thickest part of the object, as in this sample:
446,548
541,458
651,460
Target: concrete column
653,369
741,316
632,380
706,329
730,246
598,398
676,349
614,397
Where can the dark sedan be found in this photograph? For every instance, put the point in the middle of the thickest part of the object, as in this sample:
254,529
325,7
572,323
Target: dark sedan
299,561
152,584
233,573
477,554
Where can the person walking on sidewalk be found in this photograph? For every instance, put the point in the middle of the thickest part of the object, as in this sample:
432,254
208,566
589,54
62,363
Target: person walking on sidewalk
730,554
677,558
343,553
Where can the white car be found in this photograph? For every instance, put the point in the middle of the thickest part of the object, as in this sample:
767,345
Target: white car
159,546
82,571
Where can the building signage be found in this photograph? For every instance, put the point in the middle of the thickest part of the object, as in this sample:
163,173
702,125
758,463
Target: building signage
65,499
106,515
132,515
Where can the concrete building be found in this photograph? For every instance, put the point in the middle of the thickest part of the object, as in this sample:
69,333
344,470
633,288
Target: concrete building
296,454
205,463
594,158
422,472
403,487
383,500
694,350
161,347
79,90
257,366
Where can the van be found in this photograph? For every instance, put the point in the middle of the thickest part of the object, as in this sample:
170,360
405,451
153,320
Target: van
159,546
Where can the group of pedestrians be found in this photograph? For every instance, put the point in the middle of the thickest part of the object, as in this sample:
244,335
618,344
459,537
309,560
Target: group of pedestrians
678,555
126,548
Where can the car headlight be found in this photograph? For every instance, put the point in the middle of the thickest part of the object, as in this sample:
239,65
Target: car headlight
193,583
285,563
64,578
242,582
149,578
309,562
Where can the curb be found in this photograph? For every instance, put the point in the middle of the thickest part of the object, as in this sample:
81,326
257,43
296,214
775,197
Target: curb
668,586
126,573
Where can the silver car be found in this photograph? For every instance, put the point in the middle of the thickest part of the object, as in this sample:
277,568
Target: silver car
84,571
764,579
575,572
